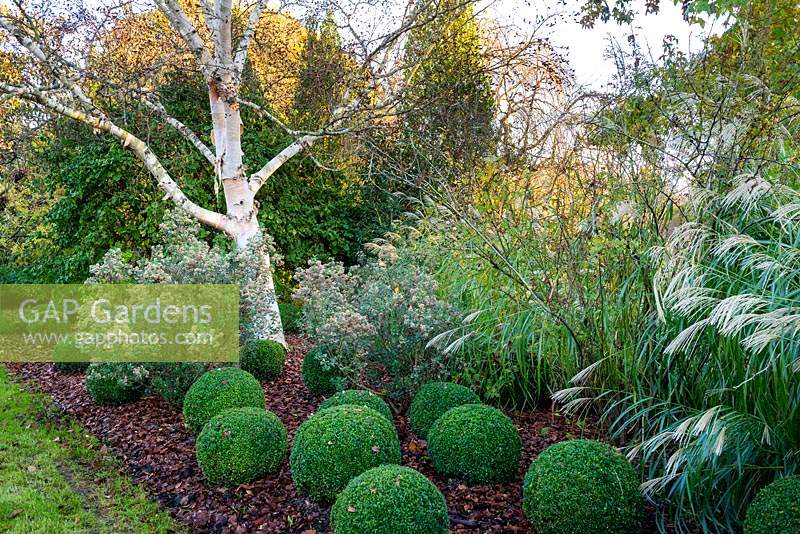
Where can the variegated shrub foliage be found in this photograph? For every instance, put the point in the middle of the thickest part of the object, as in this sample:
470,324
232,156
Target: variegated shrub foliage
711,404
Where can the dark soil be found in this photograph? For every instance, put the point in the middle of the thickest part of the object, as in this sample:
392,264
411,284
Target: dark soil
159,453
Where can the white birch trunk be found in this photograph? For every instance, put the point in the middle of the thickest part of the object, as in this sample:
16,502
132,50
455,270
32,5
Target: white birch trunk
240,203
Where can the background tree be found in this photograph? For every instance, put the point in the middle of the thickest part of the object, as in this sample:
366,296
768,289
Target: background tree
60,77
322,64
451,109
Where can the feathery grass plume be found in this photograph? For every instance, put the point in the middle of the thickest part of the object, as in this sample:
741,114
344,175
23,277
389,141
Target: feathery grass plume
710,402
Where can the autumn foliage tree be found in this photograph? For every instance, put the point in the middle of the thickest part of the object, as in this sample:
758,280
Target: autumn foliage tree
449,89
65,51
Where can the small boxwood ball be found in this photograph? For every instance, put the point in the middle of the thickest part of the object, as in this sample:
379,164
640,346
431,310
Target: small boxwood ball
67,359
240,445
111,384
776,508
173,380
263,358
218,390
71,367
359,397
582,487
475,443
337,444
433,400
390,499
317,379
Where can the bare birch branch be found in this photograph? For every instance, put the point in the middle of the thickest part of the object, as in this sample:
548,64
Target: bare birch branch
150,102
258,179
244,42
181,23
25,40
130,141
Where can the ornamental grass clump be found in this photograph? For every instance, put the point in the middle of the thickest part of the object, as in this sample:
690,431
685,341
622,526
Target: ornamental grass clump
318,378
218,390
337,444
241,445
433,400
115,383
390,499
263,358
710,398
582,487
359,397
776,508
475,443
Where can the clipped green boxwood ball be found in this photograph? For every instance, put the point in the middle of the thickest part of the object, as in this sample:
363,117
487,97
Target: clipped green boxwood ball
67,359
263,358
317,379
111,384
240,445
475,443
776,508
359,397
582,487
337,444
173,380
390,499
433,400
71,367
218,390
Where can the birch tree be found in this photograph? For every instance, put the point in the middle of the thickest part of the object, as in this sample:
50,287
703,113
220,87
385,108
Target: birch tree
55,46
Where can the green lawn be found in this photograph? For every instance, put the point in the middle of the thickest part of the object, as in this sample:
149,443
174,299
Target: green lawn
55,478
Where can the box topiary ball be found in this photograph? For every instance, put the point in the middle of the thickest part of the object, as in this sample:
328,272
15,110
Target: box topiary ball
433,400
475,443
240,445
291,317
390,499
111,384
318,379
71,367
359,397
218,390
263,358
582,486
776,508
67,359
337,444
173,380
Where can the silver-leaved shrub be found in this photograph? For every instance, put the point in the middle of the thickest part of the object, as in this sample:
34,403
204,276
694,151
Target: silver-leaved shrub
183,257
376,319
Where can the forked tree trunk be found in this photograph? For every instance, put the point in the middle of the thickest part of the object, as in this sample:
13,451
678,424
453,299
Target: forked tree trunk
240,197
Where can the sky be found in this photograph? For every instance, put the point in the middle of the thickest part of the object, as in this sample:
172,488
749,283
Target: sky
586,48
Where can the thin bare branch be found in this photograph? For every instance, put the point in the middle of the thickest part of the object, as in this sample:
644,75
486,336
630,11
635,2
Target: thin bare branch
244,42
151,102
130,141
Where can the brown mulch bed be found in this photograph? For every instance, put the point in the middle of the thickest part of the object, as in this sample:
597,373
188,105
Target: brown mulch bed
149,436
